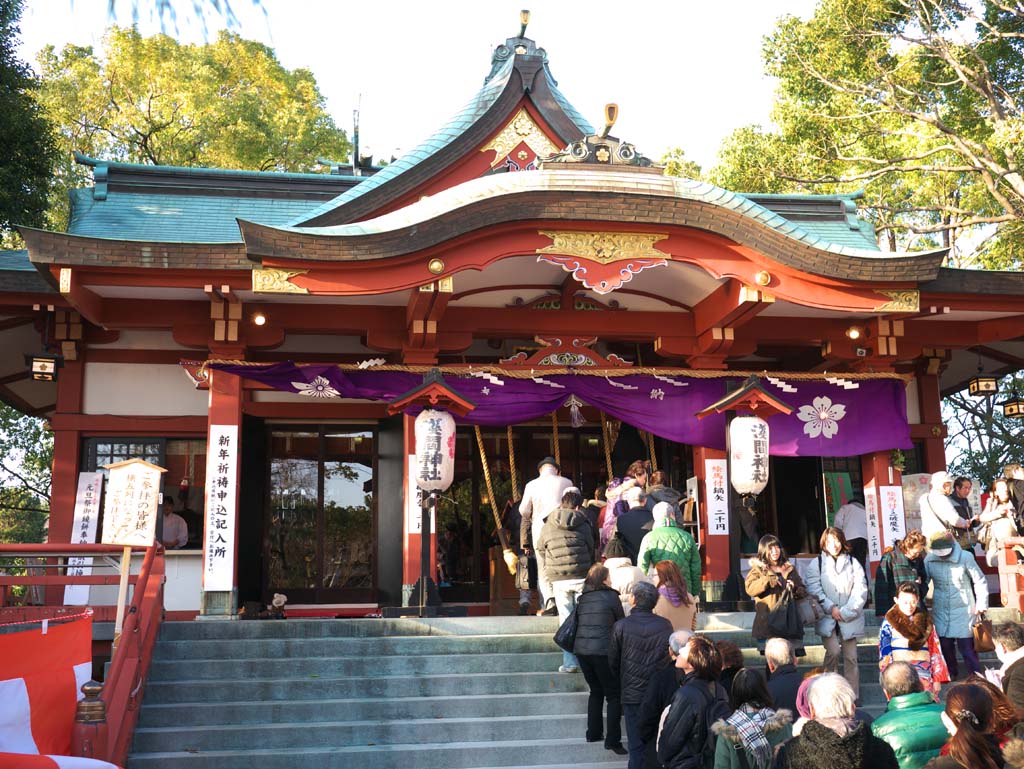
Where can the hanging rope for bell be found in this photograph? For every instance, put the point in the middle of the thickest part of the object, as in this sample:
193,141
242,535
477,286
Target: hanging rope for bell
512,464
510,558
651,453
607,446
554,438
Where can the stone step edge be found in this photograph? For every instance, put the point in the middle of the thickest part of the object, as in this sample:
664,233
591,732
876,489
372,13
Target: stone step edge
362,657
192,729
567,742
360,700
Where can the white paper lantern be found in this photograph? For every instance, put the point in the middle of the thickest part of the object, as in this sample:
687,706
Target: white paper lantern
748,442
435,450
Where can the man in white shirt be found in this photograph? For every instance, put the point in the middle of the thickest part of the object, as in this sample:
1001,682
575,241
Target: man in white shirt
541,495
852,519
175,531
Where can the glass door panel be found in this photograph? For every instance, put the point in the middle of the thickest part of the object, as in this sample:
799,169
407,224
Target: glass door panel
348,525
292,530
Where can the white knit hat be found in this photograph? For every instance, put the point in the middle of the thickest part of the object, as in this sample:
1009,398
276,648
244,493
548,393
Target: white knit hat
661,513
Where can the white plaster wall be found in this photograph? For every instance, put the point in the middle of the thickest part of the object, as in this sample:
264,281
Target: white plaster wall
913,403
184,569
144,340
141,389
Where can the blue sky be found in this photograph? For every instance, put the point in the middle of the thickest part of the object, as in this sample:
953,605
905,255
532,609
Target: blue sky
683,74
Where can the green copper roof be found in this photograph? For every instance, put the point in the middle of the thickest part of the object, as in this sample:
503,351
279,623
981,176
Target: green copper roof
16,261
170,218
458,125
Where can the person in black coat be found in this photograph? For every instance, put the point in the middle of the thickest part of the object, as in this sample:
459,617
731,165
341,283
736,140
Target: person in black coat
633,525
685,741
660,690
597,610
784,679
638,649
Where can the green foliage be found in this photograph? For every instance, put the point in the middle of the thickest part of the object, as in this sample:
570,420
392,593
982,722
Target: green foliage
26,454
677,164
981,440
225,104
28,149
918,102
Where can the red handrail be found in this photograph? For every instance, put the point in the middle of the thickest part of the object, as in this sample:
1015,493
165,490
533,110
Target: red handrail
125,683
129,669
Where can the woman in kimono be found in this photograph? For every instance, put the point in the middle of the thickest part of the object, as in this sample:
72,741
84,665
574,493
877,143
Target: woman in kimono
904,636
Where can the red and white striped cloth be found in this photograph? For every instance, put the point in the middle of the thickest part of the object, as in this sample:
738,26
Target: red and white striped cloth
41,674
23,761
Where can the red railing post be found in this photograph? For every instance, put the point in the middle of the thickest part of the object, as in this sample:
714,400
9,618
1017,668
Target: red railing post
89,734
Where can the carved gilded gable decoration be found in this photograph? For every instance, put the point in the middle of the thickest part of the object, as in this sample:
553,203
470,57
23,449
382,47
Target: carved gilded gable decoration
521,129
569,352
270,280
908,300
602,261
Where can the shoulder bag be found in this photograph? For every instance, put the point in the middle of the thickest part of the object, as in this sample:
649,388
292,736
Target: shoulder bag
983,635
565,637
784,620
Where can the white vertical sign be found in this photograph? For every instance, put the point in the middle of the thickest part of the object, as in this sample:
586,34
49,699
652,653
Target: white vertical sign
874,527
894,523
716,492
83,532
413,503
221,510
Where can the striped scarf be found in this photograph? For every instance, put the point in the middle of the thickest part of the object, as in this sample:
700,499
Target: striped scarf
750,724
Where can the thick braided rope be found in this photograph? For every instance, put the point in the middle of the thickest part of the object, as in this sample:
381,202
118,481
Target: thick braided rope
554,438
512,464
607,446
650,451
487,476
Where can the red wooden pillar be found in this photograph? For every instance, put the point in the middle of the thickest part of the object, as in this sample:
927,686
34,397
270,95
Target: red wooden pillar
715,565
226,394
412,540
877,472
930,398
67,456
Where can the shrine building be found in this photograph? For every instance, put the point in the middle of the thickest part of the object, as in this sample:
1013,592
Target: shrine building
248,331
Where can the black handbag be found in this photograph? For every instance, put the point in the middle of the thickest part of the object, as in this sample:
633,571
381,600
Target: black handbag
565,637
784,620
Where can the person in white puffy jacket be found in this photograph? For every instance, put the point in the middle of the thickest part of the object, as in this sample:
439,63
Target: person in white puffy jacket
837,581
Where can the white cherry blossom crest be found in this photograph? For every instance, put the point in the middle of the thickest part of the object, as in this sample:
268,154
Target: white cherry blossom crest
821,417
318,388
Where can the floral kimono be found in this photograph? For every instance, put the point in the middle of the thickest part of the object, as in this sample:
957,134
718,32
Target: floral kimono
912,640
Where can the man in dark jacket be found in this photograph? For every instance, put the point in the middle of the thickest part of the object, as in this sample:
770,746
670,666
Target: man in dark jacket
658,490
566,545
1014,475
634,524
784,680
1009,641
832,739
639,648
660,690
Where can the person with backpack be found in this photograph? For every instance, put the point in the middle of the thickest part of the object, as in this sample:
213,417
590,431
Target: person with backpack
685,740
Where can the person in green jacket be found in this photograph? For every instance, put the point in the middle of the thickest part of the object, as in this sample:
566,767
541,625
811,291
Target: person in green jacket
747,738
668,542
912,723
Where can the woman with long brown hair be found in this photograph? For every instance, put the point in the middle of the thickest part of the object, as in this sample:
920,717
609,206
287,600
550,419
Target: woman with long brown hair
771,575
968,718
675,602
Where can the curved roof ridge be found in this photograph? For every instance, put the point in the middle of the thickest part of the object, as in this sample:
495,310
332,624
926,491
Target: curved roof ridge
605,180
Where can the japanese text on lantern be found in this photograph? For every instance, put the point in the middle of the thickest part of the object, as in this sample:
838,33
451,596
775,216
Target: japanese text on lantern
430,457
83,532
717,496
219,545
894,524
760,458
129,513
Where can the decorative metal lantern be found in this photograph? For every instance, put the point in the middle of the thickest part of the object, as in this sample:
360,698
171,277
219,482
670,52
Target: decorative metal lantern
1013,407
748,443
982,386
44,366
435,450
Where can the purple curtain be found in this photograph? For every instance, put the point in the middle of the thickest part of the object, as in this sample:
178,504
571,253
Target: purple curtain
834,418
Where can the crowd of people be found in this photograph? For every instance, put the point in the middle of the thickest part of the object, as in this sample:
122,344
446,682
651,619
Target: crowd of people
630,575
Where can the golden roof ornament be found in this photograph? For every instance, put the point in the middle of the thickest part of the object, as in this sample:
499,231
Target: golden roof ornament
602,149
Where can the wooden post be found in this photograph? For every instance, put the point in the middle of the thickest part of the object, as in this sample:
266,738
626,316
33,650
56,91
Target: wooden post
89,733
122,597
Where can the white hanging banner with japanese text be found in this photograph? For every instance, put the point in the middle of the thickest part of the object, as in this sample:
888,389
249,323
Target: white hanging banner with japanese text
716,492
130,504
874,527
83,532
894,523
221,511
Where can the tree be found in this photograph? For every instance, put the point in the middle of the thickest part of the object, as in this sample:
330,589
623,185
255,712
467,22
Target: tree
919,102
677,164
981,440
226,104
28,149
